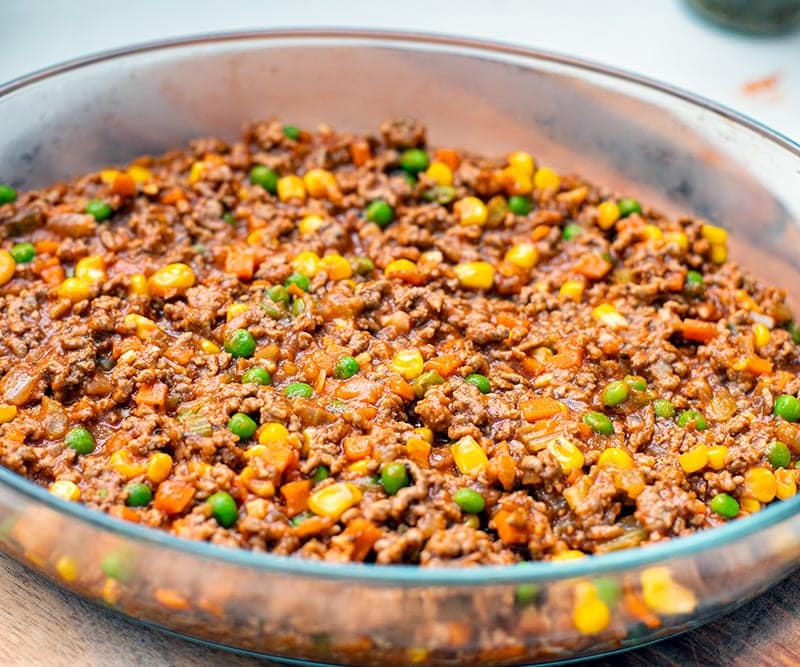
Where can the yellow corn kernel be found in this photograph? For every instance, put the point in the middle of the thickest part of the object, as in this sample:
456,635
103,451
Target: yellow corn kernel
320,182
785,483
424,432
750,505
468,456
291,187
475,275
7,266
138,285
664,595
408,363
122,463
145,327
572,290
255,451
273,432
591,615
440,173
74,289
171,280
746,301
761,334
7,413
310,224
653,232
608,315
516,182
360,467
678,238
616,458
607,214
471,211
564,451
235,309
111,591
307,263
716,456
714,235
139,174
64,489
196,172
159,467
695,459
569,554
107,176
209,346
719,254
417,655
523,255
91,268
337,267
522,162
399,266
546,179
759,483
333,500
67,569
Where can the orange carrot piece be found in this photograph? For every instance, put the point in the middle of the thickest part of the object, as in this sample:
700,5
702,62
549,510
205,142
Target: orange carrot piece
356,447
241,263
280,456
53,275
360,152
173,496
399,386
445,364
698,331
123,185
592,266
296,494
638,609
543,407
540,232
569,358
758,366
512,321
506,523
419,451
449,156
171,599
47,247
173,196
313,526
532,365
153,395
359,388
506,470
364,534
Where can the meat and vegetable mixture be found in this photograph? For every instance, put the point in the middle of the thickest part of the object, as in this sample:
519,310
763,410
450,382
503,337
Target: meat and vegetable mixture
361,348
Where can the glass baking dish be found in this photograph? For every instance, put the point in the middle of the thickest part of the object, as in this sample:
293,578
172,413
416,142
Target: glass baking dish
675,151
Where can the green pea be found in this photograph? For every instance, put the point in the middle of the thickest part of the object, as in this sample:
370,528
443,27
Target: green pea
7,194
663,408
571,231
229,217
303,516
469,500
240,344
337,406
380,213
139,495
794,330
80,440
480,381
724,505
298,390
256,375
291,132
414,160
694,279
99,209
303,282
608,590
695,416
298,306
322,472
118,566
525,594
599,423
346,368
441,194
23,252
520,204
615,393
279,294
274,310
394,477
788,407
265,177
425,381
242,425
636,382
223,508
778,454
363,266
628,206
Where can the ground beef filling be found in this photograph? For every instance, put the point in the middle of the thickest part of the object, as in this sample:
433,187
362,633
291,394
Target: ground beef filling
361,348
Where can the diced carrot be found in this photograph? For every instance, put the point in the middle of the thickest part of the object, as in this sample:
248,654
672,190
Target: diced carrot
53,275
540,232
171,599
280,455
47,247
399,386
295,290
241,263
506,523
592,266
118,348
758,366
364,534
359,388
173,196
367,412
356,447
532,365
124,512
123,185
698,331
419,451
506,470
445,364
543,407
449,156
295,494
360,152
173,496
153,395
313,526
569,358
638,609
512,321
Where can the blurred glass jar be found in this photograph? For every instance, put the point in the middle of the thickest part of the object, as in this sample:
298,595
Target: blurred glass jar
760,16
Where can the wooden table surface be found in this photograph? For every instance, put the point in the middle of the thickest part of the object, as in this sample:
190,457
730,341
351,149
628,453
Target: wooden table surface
42,625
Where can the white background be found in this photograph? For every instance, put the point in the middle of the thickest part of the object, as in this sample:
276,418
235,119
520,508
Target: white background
661,39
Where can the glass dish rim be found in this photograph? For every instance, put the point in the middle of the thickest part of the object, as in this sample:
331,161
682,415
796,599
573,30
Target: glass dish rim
411,575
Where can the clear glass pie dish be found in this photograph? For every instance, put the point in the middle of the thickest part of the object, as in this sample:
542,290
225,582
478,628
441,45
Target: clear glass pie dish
680,153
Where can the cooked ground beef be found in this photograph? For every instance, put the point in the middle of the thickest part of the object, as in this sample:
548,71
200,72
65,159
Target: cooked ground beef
360,348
